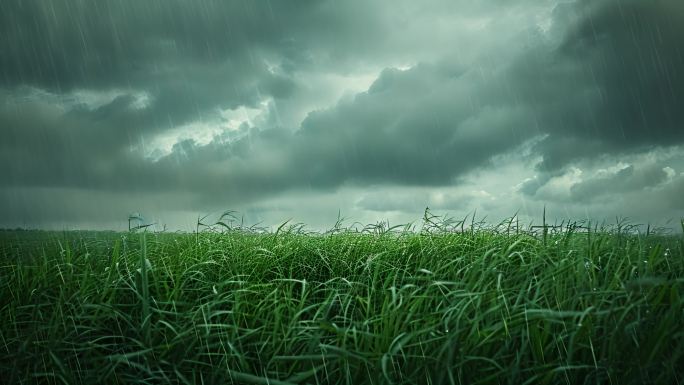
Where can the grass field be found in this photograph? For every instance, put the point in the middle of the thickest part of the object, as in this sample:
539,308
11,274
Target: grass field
494,305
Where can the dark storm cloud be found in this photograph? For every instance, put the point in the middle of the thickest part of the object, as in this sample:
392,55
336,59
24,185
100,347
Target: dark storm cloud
188,57
413,127
192,59
600,79
45,146
610,82
608,79
64,44
624,180
615,83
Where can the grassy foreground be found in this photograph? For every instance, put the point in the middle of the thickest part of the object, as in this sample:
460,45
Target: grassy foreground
472,307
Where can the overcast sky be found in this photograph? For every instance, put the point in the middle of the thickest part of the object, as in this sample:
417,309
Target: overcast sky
376,109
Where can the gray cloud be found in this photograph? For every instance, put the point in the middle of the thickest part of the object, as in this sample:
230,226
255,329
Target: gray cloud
617,79
160,50
412,127
89,90
624,180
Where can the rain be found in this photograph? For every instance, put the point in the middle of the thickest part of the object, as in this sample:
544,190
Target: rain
342,192
299,111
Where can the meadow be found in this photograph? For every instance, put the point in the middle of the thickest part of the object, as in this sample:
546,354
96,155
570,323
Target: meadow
445,304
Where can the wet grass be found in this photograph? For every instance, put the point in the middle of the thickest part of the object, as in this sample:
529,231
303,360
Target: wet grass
487,306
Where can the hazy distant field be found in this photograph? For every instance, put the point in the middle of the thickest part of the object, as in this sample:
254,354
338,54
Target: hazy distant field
487,306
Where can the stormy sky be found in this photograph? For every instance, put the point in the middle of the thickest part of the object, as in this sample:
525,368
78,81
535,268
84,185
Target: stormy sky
374,109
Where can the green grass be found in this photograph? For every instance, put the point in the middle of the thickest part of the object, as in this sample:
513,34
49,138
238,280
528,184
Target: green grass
485,306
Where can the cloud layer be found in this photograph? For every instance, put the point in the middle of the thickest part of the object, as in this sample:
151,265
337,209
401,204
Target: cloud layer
380,109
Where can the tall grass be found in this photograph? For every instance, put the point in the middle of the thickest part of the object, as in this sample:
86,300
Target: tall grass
446,305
